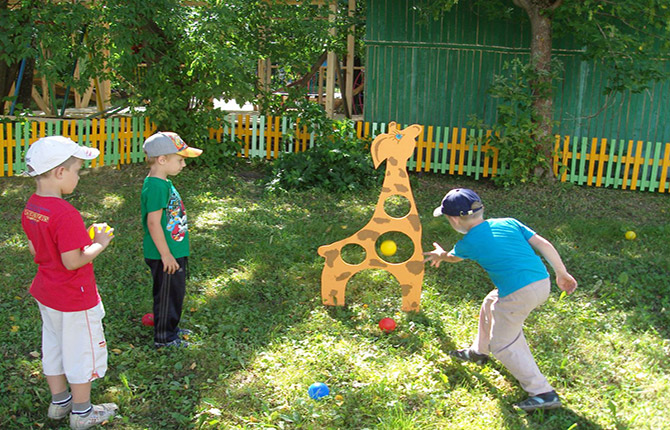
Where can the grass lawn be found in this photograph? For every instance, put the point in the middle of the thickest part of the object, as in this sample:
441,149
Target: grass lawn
261,335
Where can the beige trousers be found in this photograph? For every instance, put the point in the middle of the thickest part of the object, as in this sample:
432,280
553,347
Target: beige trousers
501,333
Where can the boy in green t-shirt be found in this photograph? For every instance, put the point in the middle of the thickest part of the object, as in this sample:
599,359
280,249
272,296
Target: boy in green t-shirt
166,247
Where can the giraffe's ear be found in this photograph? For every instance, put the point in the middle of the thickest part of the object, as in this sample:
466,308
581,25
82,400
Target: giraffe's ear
392,127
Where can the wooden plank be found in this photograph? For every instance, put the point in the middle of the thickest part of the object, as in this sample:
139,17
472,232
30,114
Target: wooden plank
627,162
471,150
260,144
494,162
287,139
592,161
573,160
4,146
609,179
565,158
554,162
435,161
637,160
646,158
582,162
602,157
618,180
665,170
452,149
656,162
486,149
462,147
445,150
430,145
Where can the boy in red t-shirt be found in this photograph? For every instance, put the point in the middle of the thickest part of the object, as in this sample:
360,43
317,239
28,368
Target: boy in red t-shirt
74,350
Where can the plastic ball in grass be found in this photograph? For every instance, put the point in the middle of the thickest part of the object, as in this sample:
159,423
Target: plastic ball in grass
318,390
387,325
630,235
148,319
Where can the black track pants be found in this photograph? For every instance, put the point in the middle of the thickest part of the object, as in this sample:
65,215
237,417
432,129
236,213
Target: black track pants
169,291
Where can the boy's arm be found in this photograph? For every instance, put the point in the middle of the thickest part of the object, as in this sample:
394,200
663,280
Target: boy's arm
73,260
438,255
564,280
31,247
170,264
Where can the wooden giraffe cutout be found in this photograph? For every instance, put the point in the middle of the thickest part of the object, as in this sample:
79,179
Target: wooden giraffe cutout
396,147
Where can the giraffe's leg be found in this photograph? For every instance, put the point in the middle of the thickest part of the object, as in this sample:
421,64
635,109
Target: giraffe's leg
411,291
333,286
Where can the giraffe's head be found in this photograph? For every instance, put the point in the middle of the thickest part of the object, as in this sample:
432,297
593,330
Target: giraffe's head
395,143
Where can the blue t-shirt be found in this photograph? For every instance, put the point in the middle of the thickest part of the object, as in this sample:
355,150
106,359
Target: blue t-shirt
500,246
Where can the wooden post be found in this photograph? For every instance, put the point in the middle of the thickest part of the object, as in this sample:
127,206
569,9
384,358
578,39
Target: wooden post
330,69
349,91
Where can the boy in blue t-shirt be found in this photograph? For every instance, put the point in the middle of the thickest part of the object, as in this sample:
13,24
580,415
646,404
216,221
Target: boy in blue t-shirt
505,248
166,245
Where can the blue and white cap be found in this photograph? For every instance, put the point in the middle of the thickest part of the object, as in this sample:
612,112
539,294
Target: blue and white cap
459,202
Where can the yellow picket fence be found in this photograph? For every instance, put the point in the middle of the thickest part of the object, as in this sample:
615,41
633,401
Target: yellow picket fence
599,162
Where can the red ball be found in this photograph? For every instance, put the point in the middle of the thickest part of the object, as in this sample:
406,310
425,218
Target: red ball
148,319
387,325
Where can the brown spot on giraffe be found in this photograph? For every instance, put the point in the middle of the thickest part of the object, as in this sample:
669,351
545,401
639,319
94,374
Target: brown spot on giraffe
414,221
343,276
377,263
367,235
381,220
415,267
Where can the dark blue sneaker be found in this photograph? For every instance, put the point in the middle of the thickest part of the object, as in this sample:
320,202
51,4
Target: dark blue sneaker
470,355
544,401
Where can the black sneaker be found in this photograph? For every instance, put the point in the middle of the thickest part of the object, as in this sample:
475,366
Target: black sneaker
177,343
544,401
469,355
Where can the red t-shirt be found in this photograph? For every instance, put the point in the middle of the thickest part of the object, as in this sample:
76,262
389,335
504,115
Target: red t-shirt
54,226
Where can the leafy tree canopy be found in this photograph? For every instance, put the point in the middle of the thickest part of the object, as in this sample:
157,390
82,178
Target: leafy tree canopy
172,57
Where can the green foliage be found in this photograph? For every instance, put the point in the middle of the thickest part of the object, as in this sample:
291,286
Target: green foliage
339,161
515,133
627,37
262,336
170,59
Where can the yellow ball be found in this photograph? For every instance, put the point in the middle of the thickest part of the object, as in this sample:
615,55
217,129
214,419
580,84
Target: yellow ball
388,247
630,235
91,231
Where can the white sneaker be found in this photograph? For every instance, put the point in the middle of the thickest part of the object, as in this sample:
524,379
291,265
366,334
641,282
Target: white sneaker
58,412
99,414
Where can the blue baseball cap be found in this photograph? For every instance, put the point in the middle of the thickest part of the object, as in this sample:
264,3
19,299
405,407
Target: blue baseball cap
459,202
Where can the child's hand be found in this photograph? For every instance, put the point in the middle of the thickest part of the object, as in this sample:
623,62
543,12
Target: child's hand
102,234
170,264
436,256
566,282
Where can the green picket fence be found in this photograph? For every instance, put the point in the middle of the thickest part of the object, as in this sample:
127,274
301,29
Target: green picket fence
599,162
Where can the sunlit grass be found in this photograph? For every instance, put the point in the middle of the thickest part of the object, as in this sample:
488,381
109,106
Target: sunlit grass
262,336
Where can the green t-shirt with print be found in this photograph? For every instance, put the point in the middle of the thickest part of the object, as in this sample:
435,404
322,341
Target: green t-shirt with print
160,194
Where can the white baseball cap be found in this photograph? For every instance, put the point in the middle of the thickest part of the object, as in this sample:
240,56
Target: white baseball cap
51,151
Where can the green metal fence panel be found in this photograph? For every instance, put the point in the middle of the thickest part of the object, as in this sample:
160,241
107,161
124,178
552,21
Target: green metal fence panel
437,72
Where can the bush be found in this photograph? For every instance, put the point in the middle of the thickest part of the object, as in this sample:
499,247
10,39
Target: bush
337,162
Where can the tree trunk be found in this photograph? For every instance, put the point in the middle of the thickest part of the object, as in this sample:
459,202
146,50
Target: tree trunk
539,13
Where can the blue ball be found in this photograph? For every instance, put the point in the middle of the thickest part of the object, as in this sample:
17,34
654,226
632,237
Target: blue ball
318,390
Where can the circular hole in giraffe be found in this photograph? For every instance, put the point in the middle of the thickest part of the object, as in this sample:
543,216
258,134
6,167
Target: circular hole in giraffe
396,206
394,247
353,253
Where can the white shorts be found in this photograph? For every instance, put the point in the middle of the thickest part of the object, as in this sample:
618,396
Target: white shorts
73,344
